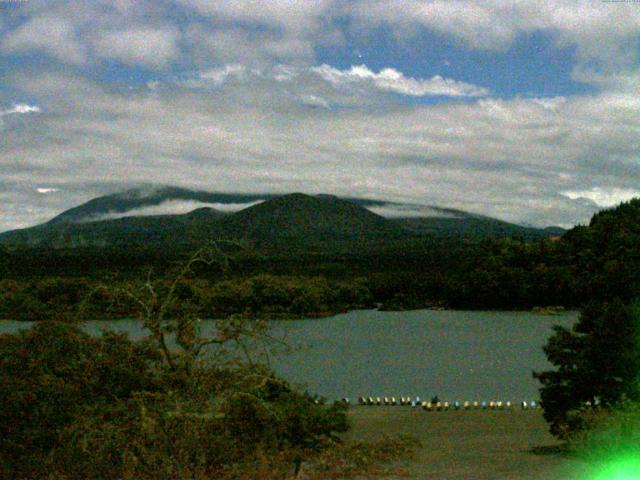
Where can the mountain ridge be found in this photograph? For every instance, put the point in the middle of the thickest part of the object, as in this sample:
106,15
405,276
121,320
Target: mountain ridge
267,219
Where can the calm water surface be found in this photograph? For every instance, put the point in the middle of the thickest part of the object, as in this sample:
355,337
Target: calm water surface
452,354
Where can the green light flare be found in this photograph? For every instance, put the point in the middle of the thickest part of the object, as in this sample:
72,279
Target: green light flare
625,467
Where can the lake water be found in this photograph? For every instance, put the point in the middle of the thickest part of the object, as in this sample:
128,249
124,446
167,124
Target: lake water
457,355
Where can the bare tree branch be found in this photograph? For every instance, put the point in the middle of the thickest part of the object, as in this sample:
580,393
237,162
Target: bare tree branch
161,314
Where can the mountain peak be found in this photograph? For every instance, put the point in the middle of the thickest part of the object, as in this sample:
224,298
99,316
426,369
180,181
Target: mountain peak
205,212
309,218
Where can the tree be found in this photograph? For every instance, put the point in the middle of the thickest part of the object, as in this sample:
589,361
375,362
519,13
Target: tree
48,374
4,260
597,362
77,406
168,311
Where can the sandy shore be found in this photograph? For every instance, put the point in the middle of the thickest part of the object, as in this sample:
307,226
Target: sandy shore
469,445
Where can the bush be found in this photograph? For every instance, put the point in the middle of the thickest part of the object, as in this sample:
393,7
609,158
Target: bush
169,435
76,406
602,433
52,371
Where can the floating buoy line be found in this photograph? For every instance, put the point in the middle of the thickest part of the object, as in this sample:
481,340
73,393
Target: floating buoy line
441,406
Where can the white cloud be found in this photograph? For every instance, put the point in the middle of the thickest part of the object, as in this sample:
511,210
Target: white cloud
598,29
357,77
393,210
604,196
47,190
604,35
389,79
261,33
218,76
21,108
506,158
285,73
173,207
480,24
232,44
233,207
53,35
534,160
315,101
289,14
151,47
550,103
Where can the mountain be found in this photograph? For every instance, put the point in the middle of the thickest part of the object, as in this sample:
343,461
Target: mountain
140,198
473,227
308,219
139,231
134,218
294,218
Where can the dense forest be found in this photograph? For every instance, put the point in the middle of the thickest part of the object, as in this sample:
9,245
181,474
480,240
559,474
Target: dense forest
591,262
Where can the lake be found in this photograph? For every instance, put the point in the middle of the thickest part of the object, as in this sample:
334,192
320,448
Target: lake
457,355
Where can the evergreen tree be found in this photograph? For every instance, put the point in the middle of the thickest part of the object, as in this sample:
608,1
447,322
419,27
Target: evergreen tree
597,361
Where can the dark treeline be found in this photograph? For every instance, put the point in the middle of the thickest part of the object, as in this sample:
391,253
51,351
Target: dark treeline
591,262
57,298
591,397
497,274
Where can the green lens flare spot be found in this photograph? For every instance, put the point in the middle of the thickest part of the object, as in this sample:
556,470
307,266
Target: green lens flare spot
621,468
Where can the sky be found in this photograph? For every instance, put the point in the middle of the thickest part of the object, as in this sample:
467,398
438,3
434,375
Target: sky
525,110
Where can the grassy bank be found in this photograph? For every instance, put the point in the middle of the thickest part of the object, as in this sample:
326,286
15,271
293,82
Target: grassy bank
464,445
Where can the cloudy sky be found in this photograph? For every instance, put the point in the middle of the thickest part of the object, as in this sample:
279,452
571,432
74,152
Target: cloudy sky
526,110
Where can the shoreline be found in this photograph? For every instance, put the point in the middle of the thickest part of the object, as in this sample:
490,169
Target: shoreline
551,311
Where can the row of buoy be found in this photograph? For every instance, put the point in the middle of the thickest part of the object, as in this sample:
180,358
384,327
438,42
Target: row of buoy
388,401
442,406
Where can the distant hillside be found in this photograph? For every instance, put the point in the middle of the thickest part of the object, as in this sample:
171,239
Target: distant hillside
120,203
472,227
308,219
293,219
145,230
